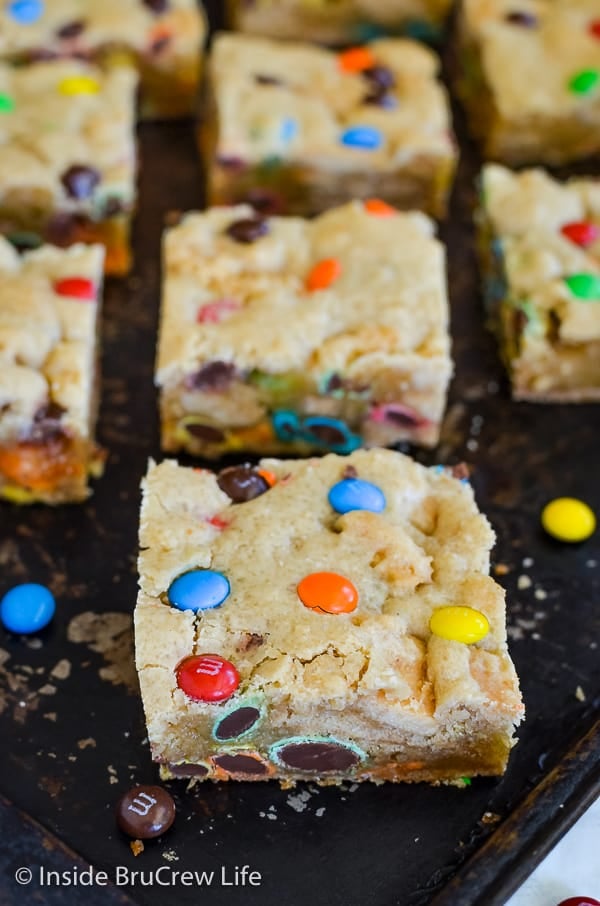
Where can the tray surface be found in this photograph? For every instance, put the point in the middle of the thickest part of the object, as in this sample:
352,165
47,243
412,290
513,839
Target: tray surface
72,736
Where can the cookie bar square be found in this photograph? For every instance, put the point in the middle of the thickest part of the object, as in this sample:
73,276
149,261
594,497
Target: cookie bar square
283,335
540,252
49,311
163,39
68,156
294,128
321,619
530,78
343,22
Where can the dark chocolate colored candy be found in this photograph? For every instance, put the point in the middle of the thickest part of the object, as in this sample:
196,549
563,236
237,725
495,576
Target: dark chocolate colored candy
213,376
379,97
188,770
263,79
47,423
241,764
63,228
328,434
71,29
157,6
318,757
206,432
403,419
113,206
230,162
265,202
145,812
80,181
520,17
237,722
248,230
242,483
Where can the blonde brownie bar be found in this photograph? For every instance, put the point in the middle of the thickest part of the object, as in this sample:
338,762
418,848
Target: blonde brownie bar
163,39
530,78
49,310
285,335
68,156
342,22
298,129
540,248
321,619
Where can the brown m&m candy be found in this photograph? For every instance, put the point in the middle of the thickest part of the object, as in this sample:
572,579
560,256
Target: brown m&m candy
145,812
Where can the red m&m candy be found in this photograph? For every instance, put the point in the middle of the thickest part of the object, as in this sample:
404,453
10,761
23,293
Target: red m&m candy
207,677
76,287
579,901
581,232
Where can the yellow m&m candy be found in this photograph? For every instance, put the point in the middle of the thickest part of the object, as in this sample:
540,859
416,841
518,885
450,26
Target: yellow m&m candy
568,519
81,84
459,624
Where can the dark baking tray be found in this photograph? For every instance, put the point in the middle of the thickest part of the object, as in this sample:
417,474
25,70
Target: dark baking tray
71,745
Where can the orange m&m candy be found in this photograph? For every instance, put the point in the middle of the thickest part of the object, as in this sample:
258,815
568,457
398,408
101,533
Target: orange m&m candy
328,592
379,208
356,59
323,274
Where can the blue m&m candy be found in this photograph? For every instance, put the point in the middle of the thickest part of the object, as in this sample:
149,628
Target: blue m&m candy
26,12
356,494
365,138
200,589
27,608
289,130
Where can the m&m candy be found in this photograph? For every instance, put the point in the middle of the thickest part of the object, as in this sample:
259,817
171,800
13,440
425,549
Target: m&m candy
80,84
585,82
585,287
579,901
76,287
328,592
356,494
7,105
581,232
363,138
323,274
378,208
207,677
25,12
568,519
199,589
459,624
356,59
27,608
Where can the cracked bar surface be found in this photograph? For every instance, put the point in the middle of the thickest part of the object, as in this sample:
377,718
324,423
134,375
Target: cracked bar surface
529,76
162,38
49,310
301,129
342,22
68,156
370,693
539,245
253,357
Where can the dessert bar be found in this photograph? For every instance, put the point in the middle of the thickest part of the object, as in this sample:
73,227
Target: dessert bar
294,128
286,335
68,156
530,78
49,308
540,251
343,22
163,39
325,619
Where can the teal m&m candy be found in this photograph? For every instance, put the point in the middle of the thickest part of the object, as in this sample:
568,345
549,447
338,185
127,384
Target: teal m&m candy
27,608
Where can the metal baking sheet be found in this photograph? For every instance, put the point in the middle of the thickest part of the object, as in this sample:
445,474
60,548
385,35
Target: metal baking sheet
72,736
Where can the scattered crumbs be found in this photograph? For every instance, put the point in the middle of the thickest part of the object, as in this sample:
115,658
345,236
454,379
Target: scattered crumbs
320,812
535,636
493,387
540,594
501,569
22,704
86,744
523,582
490,818
4,656
472,445
579,694
136,847
527,562
51,754
47,689
299,800
540,615
112,774
62,670
476,425
34,643
342,798
593,645
591,563
71,757
417,839
353,788
126,734
262,814
170,855
50,715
